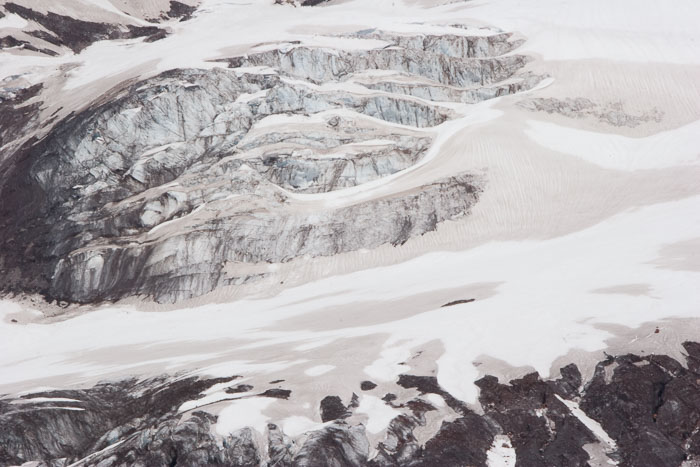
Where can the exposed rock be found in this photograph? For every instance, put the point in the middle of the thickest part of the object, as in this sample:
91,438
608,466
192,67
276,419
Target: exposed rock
462,442
16,113
648,410
650,407
280,449
9,42
367,385
458,302
336,445
45,36
389,397
161,34
400,446
300,2
277,393
77,34
429,385
239,388
541,428
332,408
180,10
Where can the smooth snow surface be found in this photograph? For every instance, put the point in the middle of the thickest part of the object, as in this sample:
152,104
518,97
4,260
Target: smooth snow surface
664,149
501,453
379,415
319,370
12,21
243,413
297,425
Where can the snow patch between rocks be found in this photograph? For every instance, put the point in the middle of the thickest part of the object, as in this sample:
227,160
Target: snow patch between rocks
244,413
502,453
591,424
379,414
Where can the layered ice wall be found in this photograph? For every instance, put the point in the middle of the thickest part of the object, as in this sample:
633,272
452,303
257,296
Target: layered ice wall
156,191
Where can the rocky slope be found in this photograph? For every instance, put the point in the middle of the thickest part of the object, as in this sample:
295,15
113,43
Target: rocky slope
635,411
60,27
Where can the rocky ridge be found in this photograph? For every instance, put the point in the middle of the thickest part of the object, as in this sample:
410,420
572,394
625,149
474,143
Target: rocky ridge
531,421
52,30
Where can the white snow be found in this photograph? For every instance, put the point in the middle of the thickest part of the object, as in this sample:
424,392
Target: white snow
297,425
94,454
244,413
319,370
623,30
379,414
557,29
107,6
162,148
12,21
501,453
75,409
435,399
589,423
209,399
388,367
34,400
664,149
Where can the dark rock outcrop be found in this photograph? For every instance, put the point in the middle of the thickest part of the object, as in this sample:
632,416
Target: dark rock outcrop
16,114
8,42
541,428
650,405
77,34
332,408
180,10
367,385
647,408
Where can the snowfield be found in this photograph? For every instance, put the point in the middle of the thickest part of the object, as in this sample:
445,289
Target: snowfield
536,301
586,238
